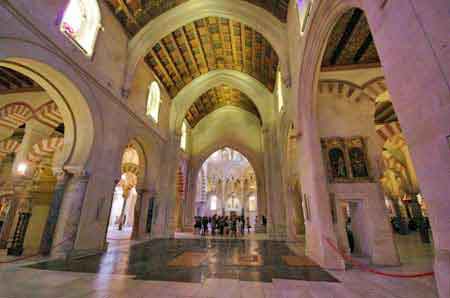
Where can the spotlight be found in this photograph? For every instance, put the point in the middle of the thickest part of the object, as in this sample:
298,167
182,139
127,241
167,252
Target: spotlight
22,168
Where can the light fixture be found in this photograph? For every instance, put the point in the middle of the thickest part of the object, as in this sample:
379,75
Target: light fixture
22,168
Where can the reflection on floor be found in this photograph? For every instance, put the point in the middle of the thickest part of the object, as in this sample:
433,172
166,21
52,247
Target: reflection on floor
234,260
195,260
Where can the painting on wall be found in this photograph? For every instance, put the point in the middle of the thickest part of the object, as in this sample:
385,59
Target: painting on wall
345,159
357,157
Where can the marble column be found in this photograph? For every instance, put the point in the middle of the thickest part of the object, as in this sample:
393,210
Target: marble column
35,132
52,219
8,223
65,236
5,133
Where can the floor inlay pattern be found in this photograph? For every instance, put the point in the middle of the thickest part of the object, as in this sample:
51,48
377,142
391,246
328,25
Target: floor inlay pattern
195,260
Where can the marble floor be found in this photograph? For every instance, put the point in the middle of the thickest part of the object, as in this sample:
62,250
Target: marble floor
209,268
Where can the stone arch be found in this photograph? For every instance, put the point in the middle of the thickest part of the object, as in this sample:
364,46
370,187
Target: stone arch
253,158
253,16
181,103
69,96
15,114
45,149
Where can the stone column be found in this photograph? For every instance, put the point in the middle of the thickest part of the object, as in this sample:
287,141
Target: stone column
275,200
138,215
189,203
319,224
418,34
165,224
65,236
52,219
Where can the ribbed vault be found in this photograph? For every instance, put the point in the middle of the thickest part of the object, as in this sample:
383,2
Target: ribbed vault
216,98
135,14
209,44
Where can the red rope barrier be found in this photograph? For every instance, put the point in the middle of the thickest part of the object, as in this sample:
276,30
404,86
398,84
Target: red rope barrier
367,269
36,254
118,239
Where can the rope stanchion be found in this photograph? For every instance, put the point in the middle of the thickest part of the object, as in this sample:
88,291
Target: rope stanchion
36,254
374,271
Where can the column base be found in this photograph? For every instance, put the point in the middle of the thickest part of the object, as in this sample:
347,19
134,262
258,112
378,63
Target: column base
442,272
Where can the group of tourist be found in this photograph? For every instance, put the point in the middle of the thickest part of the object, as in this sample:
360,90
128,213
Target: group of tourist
222,225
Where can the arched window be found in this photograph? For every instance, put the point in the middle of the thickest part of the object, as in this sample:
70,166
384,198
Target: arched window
279,91
252,203
153,100
81,22
304,7
183,141
213,206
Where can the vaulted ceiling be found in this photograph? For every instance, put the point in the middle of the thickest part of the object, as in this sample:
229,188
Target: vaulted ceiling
209,44
11,81
216,98
135,14
351,42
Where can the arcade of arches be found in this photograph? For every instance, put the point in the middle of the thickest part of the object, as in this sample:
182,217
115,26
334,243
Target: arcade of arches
321,128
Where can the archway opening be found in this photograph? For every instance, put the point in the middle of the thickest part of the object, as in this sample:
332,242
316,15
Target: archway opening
35,140
226,201
365,151
123,207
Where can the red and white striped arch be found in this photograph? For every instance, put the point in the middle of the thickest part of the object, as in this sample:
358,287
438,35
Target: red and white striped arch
45,149
388,130
49,114
7,147
15,114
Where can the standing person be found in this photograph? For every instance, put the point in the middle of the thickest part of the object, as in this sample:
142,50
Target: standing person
248,225
213,225
264,221
197,225
351,240
233,227
221,225
242,225
205,225
239,226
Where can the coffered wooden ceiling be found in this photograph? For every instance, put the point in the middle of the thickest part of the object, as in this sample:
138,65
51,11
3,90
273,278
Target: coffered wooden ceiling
216,98
12,81
134,14
351,42
208,44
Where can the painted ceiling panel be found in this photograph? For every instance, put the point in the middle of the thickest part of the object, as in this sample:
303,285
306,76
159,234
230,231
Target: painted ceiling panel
135,14
209,44
216,98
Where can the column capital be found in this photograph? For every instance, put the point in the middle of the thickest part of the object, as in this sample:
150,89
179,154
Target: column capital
76,171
